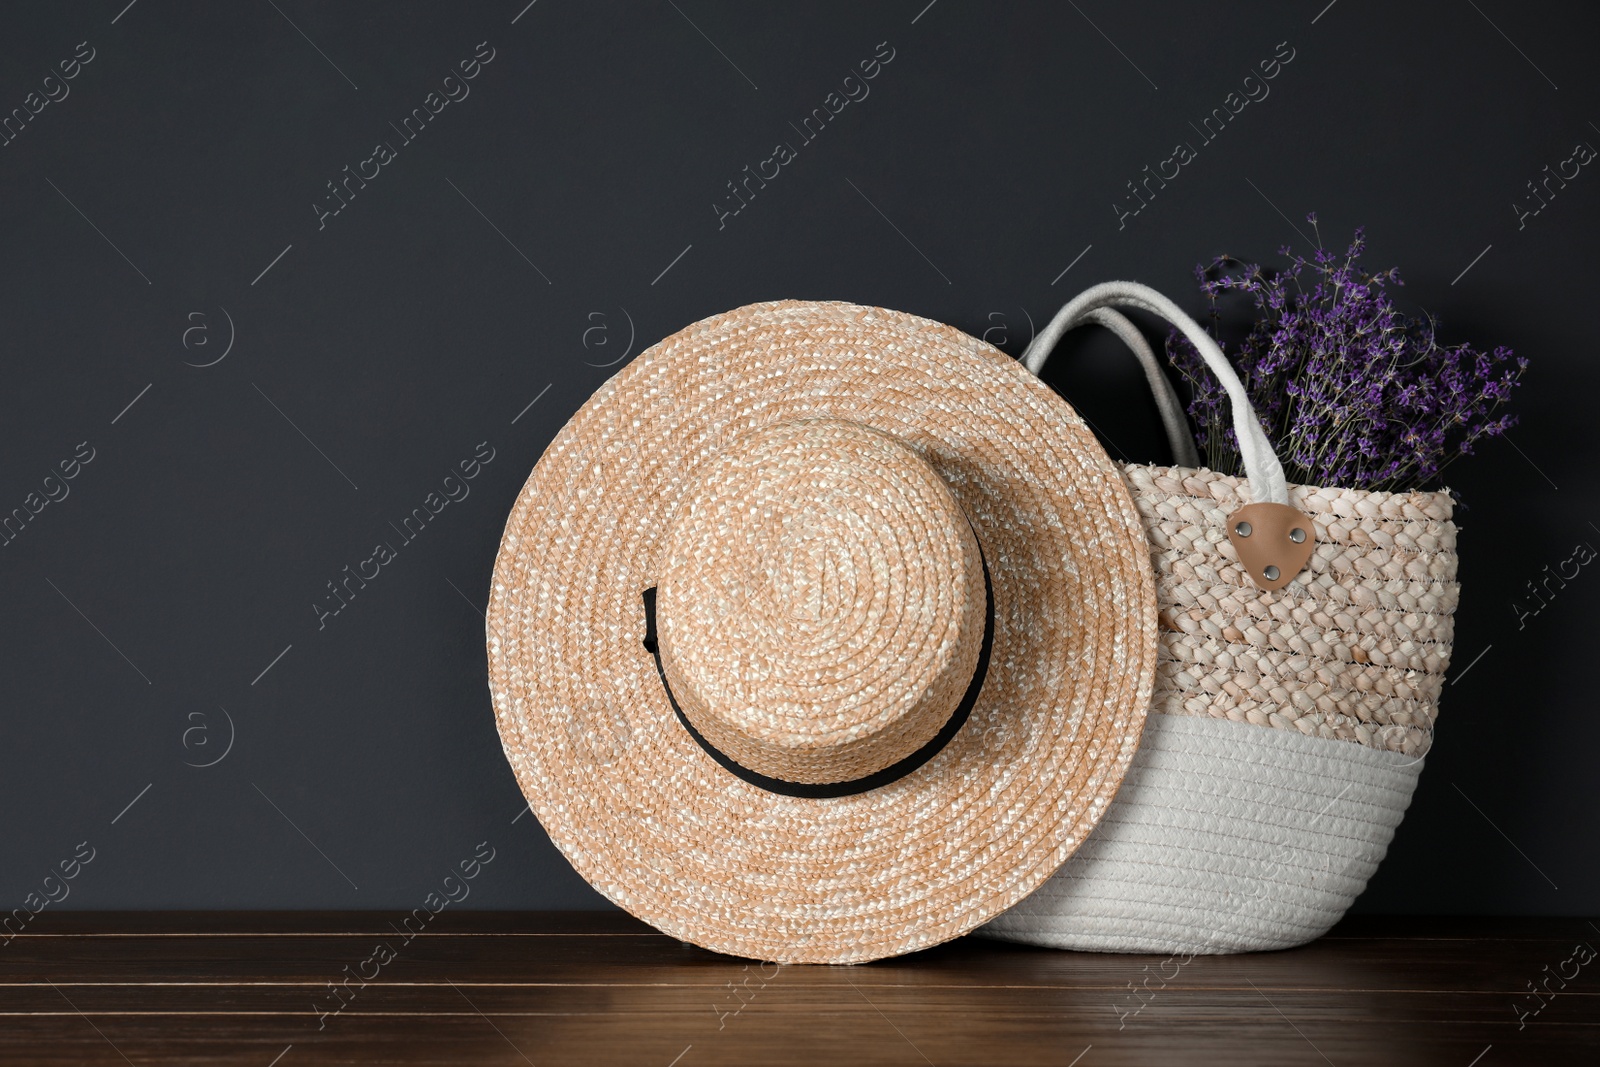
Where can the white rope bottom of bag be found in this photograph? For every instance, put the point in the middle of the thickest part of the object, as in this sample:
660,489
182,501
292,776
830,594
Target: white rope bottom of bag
1225,837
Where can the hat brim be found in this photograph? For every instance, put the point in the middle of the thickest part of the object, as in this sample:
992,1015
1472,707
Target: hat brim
660,828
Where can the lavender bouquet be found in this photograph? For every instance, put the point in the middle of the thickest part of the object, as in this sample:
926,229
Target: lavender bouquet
1350,391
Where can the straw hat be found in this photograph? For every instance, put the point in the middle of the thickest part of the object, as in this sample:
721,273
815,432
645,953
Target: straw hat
821,633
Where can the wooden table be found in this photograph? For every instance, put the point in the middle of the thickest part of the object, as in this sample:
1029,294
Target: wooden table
599,988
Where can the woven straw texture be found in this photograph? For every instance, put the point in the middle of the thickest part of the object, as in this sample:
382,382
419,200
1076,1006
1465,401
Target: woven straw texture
860,640
1353,649
1225,837
658,827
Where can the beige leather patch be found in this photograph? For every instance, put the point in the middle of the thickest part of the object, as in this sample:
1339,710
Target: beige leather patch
1274,542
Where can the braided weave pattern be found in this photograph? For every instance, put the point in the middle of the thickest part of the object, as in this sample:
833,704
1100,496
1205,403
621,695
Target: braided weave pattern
1223,838
822,601
647,816
1354,649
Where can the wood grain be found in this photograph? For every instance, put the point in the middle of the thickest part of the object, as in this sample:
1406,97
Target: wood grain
601,988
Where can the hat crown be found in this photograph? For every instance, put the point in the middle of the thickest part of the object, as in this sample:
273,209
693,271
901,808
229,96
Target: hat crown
822,601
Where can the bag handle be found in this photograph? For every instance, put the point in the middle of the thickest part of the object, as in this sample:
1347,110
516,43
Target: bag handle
1095,304
1184,453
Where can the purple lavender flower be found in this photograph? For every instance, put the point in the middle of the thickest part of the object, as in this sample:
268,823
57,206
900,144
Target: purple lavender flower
1350,391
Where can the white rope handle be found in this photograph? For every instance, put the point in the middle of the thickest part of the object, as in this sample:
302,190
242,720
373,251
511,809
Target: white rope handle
1173,421
1261,466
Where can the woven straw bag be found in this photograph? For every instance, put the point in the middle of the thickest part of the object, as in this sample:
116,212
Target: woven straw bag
1288,727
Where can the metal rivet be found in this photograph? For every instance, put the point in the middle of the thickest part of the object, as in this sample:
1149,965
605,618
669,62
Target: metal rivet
1242,529
1271,574
1297,535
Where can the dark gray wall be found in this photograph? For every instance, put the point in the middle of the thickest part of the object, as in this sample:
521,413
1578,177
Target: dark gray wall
569,201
